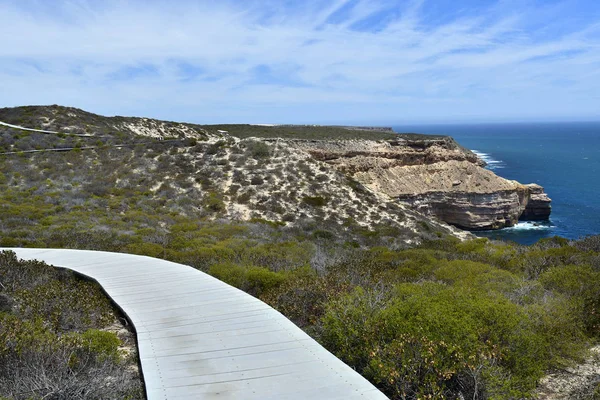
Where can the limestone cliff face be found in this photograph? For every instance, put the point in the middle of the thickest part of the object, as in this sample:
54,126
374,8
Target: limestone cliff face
538,207
436,177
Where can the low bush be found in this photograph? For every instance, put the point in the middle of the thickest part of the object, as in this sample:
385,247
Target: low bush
582,285
105,345
51,342
254,280
315,201
214,202
257,150
430,340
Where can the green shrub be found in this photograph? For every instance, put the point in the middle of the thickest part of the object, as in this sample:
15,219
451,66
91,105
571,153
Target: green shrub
20,336
232,274
558,324
315,201
105,345
40,339
477,275
273,224
254,280
589,243
62,304
323,234
472,246
574,280
580,284
41,291
429,338
261,280
216,147
145,249
304,296
552,242
596,393
214,202
258,150
417,263
453,272
245,197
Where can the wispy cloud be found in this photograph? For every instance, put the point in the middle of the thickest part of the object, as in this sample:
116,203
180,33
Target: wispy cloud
340,61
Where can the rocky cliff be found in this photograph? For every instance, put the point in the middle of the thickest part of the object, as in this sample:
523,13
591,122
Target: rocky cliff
435,176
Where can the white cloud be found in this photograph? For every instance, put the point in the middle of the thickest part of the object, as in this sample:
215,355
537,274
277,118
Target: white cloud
203,60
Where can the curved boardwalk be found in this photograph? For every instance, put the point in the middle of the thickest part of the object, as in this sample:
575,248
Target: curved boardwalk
200,338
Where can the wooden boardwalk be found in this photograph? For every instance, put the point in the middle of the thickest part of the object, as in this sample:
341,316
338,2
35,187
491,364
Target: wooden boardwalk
200,338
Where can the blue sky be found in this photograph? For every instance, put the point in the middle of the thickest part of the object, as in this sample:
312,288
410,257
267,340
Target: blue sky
312,61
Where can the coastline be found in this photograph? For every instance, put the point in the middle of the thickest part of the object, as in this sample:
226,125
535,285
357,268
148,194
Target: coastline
519,231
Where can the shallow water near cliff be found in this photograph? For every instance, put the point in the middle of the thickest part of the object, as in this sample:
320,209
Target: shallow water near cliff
562,157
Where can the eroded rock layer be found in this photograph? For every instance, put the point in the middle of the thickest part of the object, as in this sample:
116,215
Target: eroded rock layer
436,177
538,207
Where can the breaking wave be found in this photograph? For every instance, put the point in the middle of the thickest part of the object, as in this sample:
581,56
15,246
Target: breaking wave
492,163
529,226
526,232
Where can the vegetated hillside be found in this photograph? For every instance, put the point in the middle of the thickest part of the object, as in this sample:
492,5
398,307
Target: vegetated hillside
444,319
152,185
68,120
61,338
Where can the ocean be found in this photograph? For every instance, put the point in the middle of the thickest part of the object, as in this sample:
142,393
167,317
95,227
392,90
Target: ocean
564,158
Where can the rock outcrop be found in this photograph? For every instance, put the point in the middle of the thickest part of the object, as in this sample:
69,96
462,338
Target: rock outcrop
435,176
538,207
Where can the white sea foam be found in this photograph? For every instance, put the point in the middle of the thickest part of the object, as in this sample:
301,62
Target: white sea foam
492,163
530,226
521,227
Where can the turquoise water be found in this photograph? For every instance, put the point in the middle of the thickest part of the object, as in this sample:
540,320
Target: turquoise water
562,157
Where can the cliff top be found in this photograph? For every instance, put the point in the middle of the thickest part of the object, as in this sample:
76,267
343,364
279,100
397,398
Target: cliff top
74,120
319,132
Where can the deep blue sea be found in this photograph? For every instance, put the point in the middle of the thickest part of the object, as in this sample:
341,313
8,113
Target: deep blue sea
564,158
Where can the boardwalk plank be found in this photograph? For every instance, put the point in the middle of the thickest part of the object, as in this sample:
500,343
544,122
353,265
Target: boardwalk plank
199,338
